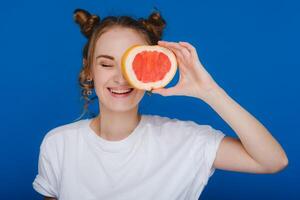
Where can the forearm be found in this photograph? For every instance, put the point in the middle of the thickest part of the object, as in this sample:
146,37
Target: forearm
255,138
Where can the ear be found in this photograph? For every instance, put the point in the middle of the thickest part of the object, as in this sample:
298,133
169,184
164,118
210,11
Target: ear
90,74
84,61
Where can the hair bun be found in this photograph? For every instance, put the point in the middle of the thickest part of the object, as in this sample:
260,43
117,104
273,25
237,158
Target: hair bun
155,23
86,21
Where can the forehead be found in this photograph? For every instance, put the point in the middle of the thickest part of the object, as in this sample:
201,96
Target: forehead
116,40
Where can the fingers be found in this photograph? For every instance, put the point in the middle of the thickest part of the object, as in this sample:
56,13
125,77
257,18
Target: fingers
184,49
193,52
190,47
181,54
186,54
165,91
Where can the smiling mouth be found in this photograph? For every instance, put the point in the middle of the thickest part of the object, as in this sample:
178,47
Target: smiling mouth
120,92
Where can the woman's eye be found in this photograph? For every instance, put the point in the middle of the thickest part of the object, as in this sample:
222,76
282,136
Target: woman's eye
106,65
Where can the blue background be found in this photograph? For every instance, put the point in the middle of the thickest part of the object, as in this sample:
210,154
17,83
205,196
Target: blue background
251,48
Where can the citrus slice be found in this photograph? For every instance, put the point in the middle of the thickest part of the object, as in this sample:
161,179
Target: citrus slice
148,67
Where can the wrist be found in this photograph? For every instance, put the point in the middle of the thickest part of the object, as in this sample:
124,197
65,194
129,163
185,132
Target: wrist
213,94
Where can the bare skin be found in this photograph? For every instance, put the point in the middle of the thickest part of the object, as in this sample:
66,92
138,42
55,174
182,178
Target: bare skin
256,151
118,116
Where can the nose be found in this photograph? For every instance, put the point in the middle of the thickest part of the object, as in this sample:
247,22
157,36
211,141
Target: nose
119,78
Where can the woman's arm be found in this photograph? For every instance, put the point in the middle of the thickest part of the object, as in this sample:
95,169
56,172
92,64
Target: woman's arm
256,150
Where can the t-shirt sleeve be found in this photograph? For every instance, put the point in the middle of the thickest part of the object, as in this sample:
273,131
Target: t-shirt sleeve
46,181
205,146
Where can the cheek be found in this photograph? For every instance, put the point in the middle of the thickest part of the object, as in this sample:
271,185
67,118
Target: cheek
102,77
100,83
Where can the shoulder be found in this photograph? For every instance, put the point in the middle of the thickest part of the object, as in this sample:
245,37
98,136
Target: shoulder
179,127
58,135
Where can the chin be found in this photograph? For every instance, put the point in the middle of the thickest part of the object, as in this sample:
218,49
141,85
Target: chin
122,109
120,104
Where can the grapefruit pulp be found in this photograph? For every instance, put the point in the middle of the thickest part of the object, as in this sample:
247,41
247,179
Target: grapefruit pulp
148,67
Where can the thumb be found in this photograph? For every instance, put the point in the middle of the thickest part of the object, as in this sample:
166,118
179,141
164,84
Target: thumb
163,91
158,91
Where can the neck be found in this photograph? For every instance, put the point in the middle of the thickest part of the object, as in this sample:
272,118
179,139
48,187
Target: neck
115,126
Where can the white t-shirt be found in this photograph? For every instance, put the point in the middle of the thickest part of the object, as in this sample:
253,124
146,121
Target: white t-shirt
162,158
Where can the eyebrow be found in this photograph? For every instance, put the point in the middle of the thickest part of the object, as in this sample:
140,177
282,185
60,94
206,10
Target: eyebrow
105,56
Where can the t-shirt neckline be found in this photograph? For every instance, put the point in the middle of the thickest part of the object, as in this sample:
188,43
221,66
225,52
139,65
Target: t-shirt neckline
115,146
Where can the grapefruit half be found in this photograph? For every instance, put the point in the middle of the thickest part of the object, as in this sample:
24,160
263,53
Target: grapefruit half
148,67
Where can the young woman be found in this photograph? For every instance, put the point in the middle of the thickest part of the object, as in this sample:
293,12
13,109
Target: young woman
121,154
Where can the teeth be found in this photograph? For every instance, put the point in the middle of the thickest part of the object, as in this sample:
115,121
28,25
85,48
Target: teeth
119,91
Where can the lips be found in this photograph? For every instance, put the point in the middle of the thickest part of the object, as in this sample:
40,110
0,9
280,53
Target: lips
120,92
120,88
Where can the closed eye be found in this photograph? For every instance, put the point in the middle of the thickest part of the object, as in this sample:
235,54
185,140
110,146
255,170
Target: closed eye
106,65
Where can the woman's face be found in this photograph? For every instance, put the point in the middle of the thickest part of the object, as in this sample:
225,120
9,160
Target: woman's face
106,69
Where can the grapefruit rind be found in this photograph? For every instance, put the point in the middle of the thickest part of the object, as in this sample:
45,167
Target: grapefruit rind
127,70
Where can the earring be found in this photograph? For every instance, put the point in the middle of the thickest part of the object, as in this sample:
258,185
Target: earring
89,80
89,92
